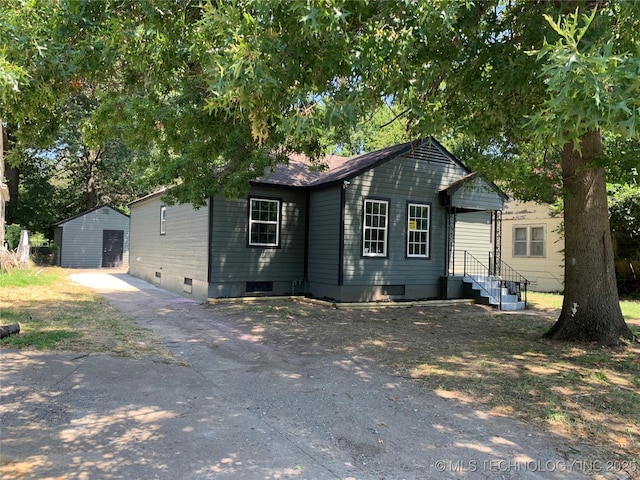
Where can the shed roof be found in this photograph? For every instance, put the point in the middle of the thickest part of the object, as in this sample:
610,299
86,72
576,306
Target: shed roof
58,224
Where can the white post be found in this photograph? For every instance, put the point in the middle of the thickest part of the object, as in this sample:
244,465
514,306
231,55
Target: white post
23,249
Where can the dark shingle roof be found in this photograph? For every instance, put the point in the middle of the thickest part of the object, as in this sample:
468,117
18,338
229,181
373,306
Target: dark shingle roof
296,173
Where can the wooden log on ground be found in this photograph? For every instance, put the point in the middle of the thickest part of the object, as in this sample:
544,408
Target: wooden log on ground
6,330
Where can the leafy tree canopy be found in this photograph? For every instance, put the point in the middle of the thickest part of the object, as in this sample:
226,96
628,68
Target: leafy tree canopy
253,80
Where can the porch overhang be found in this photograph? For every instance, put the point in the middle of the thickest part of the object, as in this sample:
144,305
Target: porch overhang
472,193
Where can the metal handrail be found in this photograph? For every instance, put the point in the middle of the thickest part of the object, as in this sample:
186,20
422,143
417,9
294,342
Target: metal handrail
474,268
509,278
513,281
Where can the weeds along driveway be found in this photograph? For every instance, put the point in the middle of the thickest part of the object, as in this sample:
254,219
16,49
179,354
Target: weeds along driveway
235,406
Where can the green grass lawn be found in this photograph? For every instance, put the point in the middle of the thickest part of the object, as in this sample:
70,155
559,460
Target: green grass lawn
553,301
56,314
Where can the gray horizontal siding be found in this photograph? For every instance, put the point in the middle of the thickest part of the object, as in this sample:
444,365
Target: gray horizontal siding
182,252
80,239
404,179
324,236
233,260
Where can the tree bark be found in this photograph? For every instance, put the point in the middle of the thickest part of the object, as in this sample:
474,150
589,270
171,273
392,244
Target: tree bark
90,195
591,307
12,175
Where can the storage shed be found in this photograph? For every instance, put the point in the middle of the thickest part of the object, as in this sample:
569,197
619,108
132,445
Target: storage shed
93,239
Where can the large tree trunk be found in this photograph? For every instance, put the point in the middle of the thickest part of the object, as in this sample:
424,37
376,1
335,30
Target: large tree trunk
90,194
591,308
12,176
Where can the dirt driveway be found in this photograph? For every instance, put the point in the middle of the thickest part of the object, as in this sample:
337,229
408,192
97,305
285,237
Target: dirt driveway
246,401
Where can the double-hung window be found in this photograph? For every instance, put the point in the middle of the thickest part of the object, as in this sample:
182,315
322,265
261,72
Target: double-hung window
375,228
264,222
528,241
418,230
163,220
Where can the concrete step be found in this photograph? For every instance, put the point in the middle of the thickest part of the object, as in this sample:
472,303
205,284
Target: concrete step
512,306
486,290
509,298
491,292
507,304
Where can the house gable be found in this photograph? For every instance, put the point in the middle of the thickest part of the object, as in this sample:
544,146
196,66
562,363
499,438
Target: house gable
414,176
473,193
299,172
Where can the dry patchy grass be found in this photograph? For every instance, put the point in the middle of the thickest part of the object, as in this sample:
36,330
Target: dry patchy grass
56,314
492,360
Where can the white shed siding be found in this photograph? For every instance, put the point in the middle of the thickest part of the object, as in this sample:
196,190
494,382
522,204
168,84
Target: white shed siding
81,237
178,259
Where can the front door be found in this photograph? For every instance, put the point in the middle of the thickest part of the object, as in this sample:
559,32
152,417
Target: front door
112,248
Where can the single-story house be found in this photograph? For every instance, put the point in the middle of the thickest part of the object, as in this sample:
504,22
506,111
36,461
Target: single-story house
96,238
533,245
393,224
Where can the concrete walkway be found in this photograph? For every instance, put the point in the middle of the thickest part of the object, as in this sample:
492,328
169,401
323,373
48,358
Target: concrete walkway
241,409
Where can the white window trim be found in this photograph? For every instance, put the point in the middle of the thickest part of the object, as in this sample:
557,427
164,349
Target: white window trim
529,240
163,220
365,227
409,230
264,222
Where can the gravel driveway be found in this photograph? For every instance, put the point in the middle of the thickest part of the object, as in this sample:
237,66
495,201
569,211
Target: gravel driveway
236,407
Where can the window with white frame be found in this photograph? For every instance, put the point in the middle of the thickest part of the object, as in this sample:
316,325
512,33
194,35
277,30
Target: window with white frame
375,226
418,230
264,222
528,241
163,220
